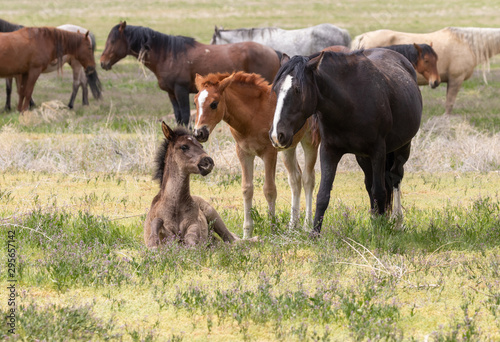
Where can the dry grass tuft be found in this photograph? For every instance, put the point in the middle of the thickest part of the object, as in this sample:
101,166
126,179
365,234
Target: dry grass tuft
52,111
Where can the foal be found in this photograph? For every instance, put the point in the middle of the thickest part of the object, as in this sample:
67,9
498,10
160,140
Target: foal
174,213
246,103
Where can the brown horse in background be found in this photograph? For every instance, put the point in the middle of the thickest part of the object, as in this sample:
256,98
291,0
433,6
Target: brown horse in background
79,77
460,50
175,60
30,50
421,56
174,213
246,103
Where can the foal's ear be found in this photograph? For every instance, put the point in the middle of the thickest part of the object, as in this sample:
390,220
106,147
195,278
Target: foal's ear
167,131
197,81
284,58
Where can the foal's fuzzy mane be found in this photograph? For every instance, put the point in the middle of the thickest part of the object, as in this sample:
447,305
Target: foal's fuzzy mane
162,151
253,79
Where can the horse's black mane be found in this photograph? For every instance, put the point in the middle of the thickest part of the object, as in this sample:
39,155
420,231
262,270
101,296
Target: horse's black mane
141,38
410,52
162,153
5,26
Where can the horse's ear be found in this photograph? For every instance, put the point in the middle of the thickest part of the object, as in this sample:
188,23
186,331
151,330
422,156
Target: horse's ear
430,44
216,30
314,63
419,49
225,82
197,81
87,35
123,24
167,131
284,58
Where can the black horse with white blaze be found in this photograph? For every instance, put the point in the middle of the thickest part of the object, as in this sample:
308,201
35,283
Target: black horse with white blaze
368,103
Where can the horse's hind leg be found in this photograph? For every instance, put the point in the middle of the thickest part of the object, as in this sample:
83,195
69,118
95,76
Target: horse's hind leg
294,180
396,175
366,166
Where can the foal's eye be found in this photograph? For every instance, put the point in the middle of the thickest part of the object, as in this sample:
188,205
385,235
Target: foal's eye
213,105
184,148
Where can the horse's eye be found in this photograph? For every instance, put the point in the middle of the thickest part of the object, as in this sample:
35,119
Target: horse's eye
184,148
213,105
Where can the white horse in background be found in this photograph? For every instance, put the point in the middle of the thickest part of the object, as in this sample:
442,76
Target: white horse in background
303,42
459,50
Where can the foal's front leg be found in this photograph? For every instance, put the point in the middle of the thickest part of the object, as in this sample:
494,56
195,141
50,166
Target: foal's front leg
294,181
270,192
246,161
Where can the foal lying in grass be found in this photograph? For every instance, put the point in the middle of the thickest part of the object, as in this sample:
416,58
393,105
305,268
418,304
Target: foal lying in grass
174,213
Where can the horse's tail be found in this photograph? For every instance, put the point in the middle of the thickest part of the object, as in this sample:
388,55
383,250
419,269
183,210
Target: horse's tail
314,127
94,83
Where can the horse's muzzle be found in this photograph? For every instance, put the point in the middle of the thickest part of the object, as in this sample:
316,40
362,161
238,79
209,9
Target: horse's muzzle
280,141
205,165
434,84
106,65
201,134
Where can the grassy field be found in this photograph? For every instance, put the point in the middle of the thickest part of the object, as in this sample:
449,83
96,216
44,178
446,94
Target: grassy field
75,189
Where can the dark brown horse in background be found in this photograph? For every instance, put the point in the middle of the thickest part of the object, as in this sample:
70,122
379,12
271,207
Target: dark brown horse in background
174,213
422,56
368,103
175,60
25,53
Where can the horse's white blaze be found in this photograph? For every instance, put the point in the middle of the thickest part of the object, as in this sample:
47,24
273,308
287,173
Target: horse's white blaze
201,100
285,88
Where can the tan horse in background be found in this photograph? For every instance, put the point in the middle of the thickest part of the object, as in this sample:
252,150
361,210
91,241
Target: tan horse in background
460,50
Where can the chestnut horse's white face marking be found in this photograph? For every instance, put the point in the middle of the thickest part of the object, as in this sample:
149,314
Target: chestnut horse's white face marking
202,97
285,88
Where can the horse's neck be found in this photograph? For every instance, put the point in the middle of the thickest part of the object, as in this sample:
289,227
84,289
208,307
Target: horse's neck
175,186
241,106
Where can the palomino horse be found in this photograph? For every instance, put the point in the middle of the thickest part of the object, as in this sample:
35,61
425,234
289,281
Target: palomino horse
246,103
368,103
30,50
421,56
175,60
460,50
304,41
174,213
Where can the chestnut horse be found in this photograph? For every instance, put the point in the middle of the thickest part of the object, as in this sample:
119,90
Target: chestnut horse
421,56
175,60
30,50
245,102
460,50
79,77
174,213
368,103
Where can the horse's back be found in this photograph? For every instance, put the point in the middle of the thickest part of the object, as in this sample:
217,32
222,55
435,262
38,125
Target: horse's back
260,59
404,94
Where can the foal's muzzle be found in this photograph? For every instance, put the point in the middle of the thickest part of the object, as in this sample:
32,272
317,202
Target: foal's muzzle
205,165
201,134
434,84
